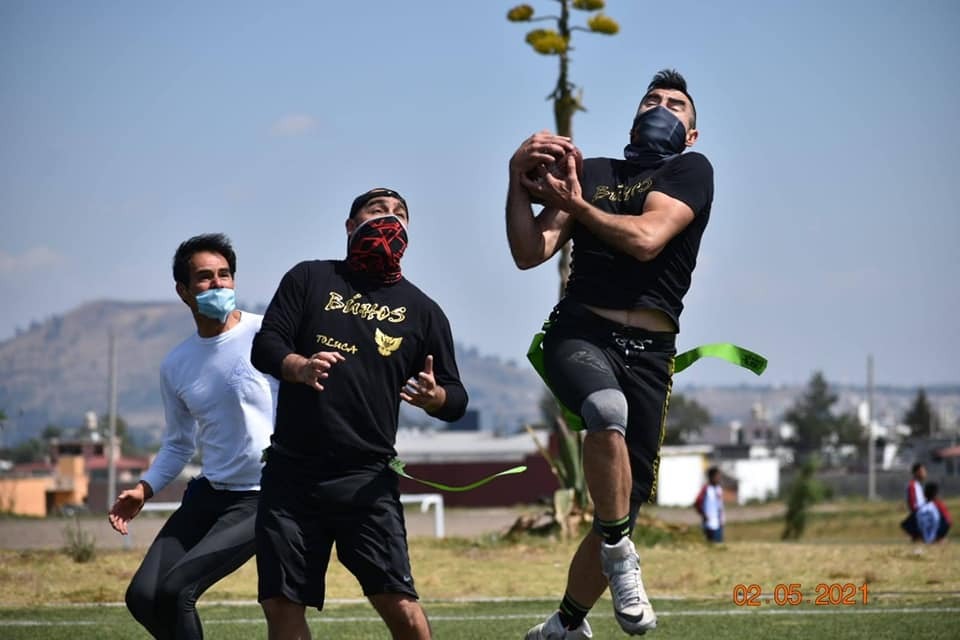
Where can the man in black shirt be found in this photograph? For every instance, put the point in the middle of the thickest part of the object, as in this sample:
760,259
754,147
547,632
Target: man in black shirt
349,339
608,353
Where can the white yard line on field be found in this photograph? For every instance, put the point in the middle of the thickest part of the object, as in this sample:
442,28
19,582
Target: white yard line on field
538,615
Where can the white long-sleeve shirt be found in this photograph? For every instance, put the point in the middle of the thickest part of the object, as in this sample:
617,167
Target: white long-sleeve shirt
710,502
215,400
915,497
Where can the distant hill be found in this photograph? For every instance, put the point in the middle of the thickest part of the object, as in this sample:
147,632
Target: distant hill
57,370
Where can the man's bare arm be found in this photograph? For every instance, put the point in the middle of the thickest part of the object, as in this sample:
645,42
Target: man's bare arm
643,236
534,239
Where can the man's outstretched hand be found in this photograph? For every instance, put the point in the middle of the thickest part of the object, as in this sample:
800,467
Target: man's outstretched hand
128,505
423,391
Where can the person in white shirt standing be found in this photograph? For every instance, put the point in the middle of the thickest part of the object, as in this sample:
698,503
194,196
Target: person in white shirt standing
709,504
215,401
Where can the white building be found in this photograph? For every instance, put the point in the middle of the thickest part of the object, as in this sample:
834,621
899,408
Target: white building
683,471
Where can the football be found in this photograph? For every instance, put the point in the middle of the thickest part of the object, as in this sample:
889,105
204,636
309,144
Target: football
557,169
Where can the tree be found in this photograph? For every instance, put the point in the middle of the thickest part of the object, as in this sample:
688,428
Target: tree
567,97
104,427
32,450
920,417
685,419
127,446
813,419
803,493
50,432
848,430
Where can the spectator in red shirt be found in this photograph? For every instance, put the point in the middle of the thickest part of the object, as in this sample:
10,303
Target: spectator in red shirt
915,500
709,504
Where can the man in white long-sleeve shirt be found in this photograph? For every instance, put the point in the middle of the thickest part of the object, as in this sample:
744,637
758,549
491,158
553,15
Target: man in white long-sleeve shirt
215,401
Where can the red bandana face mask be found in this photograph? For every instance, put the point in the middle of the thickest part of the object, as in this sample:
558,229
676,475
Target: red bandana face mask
376,246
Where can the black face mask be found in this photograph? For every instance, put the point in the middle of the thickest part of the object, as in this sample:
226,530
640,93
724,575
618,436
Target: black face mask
657,135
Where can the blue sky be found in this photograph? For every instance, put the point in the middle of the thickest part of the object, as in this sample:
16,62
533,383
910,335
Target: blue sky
127,127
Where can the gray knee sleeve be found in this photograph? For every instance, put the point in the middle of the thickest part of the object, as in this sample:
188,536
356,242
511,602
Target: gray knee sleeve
605,409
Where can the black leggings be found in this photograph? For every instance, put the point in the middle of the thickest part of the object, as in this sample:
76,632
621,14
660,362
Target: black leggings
584,353
210,536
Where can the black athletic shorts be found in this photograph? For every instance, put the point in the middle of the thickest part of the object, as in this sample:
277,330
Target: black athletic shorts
584,353
305,508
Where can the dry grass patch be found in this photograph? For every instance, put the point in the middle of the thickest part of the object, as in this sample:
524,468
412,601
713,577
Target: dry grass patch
838,547
458,568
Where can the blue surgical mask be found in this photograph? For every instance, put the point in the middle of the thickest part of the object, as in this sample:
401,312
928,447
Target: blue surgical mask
217,303
657,135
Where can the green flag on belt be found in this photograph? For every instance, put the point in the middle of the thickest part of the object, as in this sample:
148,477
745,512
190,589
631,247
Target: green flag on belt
723,350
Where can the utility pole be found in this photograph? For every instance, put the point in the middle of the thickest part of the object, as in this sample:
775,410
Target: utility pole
112,426
871,443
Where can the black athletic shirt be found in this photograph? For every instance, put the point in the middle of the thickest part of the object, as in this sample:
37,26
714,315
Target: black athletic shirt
384,332
605,277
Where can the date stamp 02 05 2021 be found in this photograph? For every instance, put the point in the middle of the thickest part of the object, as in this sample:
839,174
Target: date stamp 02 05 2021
835,594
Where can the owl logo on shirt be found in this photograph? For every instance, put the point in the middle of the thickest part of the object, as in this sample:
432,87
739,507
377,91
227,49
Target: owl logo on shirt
386,344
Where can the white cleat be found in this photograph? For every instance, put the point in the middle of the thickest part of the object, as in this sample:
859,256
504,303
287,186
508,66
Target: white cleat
631,607
553,629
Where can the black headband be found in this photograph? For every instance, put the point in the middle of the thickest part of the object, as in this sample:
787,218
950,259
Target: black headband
379,192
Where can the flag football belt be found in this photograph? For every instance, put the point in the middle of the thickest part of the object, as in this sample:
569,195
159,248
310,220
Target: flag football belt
397,466
722,350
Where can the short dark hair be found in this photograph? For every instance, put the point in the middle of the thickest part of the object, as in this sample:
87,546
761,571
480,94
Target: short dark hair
930,490
671,79
916,465
712,471
212,242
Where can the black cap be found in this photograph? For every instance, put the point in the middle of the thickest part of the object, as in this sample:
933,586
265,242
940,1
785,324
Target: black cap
379,192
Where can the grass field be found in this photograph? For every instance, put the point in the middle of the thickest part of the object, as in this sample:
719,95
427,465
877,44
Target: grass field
491,588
